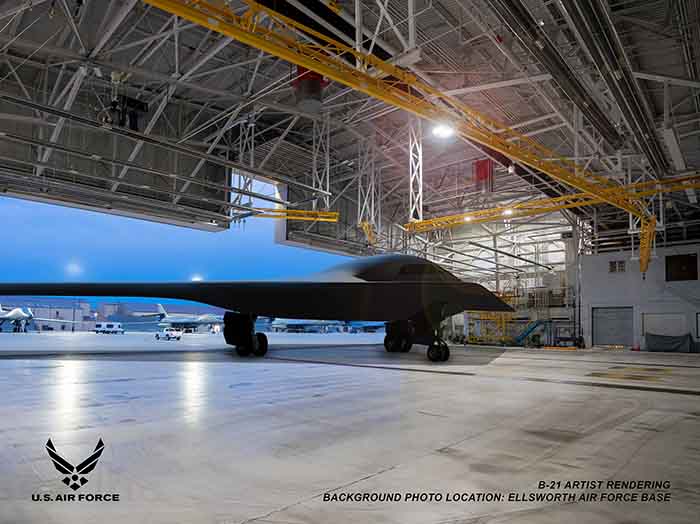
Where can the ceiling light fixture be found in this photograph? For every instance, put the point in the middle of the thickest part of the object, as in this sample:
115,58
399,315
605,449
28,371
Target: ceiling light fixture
443,131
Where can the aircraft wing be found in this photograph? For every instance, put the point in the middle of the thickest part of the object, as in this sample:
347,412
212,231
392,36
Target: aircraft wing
353,300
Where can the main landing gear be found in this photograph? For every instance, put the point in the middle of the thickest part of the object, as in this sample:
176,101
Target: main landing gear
401,335
239,331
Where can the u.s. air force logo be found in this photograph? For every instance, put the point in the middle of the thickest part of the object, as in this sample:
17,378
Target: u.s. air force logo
75,475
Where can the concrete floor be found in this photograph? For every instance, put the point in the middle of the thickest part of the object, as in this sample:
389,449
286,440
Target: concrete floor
204,436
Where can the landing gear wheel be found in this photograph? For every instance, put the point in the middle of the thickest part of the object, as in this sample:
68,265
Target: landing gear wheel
438,351
445,352
392,344
406,344
261,347
243,351
435,352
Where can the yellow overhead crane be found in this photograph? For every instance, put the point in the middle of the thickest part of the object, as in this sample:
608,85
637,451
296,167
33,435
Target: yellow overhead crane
549,205
273,33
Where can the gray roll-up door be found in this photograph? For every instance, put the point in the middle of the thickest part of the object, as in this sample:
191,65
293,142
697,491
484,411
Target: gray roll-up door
613,326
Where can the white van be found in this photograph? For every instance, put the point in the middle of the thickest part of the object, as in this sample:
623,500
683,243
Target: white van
109,328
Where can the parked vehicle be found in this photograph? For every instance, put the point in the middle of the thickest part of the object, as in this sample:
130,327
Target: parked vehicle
169,333
109,328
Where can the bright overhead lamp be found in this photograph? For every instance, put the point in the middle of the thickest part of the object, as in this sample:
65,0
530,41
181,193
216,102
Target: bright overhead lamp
508,212
443,131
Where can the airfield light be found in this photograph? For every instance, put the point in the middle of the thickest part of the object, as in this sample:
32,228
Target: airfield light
508,212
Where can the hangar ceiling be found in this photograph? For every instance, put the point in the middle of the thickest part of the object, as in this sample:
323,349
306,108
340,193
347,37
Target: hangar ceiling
126,108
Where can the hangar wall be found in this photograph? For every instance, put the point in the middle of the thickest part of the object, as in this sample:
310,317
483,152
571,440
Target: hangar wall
656,304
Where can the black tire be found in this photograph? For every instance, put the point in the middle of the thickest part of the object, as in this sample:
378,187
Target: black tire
435,352
261,348
392,344
178,338
445,352
406,344
242,351
157,336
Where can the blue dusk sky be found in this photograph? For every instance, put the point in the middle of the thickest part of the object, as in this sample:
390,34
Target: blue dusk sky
50,243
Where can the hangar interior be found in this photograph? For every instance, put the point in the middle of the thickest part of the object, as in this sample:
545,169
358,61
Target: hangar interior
547,150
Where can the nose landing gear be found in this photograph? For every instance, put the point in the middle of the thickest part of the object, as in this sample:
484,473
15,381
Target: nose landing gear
438,351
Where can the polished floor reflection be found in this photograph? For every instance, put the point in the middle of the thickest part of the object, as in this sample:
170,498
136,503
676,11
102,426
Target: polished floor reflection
204,436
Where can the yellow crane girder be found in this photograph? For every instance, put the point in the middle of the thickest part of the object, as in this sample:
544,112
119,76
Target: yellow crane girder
297,214
287,39
549,205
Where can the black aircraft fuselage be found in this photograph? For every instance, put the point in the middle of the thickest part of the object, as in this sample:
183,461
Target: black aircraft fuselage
411,294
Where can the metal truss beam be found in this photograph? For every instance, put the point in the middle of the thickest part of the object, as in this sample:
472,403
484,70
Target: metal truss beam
246,156
498,85
415,170
261,174
368,191
321,160
395,87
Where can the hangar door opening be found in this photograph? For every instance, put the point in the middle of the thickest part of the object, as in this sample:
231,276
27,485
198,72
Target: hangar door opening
613,326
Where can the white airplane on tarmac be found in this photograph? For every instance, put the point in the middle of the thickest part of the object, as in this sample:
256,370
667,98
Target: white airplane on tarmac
19,318
181,320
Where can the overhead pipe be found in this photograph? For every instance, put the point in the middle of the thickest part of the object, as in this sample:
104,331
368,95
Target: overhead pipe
591,17
532,37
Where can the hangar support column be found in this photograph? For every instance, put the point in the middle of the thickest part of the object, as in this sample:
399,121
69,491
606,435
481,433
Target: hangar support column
246,156
368,198
321,160
415,174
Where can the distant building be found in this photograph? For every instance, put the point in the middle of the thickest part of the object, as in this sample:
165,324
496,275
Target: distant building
77,311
